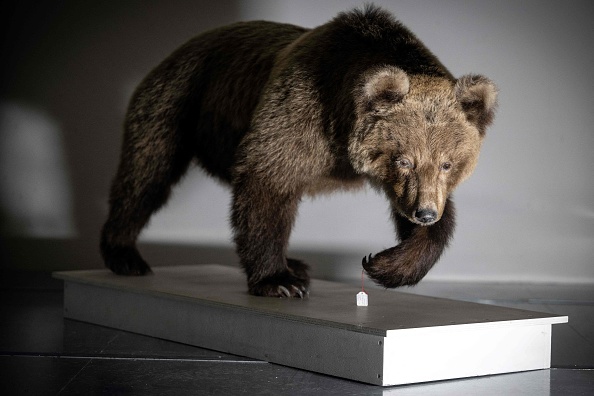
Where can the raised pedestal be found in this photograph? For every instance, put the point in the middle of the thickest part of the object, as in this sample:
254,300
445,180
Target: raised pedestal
399,338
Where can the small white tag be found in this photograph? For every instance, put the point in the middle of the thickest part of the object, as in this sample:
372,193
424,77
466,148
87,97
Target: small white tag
362,299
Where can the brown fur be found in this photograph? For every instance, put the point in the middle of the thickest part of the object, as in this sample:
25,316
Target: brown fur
278,111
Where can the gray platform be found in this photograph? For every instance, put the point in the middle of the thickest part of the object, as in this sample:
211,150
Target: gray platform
399,338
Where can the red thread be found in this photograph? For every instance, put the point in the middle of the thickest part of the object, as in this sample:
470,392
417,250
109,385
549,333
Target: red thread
362,288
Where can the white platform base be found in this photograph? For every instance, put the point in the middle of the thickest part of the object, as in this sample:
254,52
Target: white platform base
398,338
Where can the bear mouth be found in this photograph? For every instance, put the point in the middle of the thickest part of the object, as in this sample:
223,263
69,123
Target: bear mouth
424,224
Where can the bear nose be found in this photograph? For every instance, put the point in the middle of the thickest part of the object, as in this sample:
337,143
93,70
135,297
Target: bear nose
425,215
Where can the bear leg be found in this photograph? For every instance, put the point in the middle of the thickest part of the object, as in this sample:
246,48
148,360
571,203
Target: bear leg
142,185
262,221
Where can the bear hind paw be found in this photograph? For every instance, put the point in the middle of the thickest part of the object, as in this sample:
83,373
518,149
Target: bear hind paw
126,261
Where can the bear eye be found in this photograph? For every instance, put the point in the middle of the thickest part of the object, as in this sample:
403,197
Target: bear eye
403,163
446,166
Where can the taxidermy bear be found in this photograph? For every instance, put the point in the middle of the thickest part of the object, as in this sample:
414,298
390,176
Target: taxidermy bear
278,112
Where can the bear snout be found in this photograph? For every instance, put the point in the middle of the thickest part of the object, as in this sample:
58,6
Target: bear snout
425,216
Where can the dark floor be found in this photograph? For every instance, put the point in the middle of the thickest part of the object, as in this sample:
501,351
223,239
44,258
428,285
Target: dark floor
43,354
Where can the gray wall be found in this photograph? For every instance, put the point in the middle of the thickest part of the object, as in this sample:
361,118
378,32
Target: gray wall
527,214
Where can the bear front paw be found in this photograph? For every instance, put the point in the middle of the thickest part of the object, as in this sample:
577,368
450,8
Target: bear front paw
293,283
284,285
387,271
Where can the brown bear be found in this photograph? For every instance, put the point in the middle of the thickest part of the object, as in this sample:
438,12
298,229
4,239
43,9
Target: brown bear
278,112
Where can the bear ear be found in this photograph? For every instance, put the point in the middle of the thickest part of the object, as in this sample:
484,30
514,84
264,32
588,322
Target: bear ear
382,88
478,97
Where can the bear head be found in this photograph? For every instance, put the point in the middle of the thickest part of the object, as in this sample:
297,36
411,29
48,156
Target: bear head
418,136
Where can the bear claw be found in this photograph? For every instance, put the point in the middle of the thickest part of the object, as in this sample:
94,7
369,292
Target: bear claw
283,290
299,291
366,262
